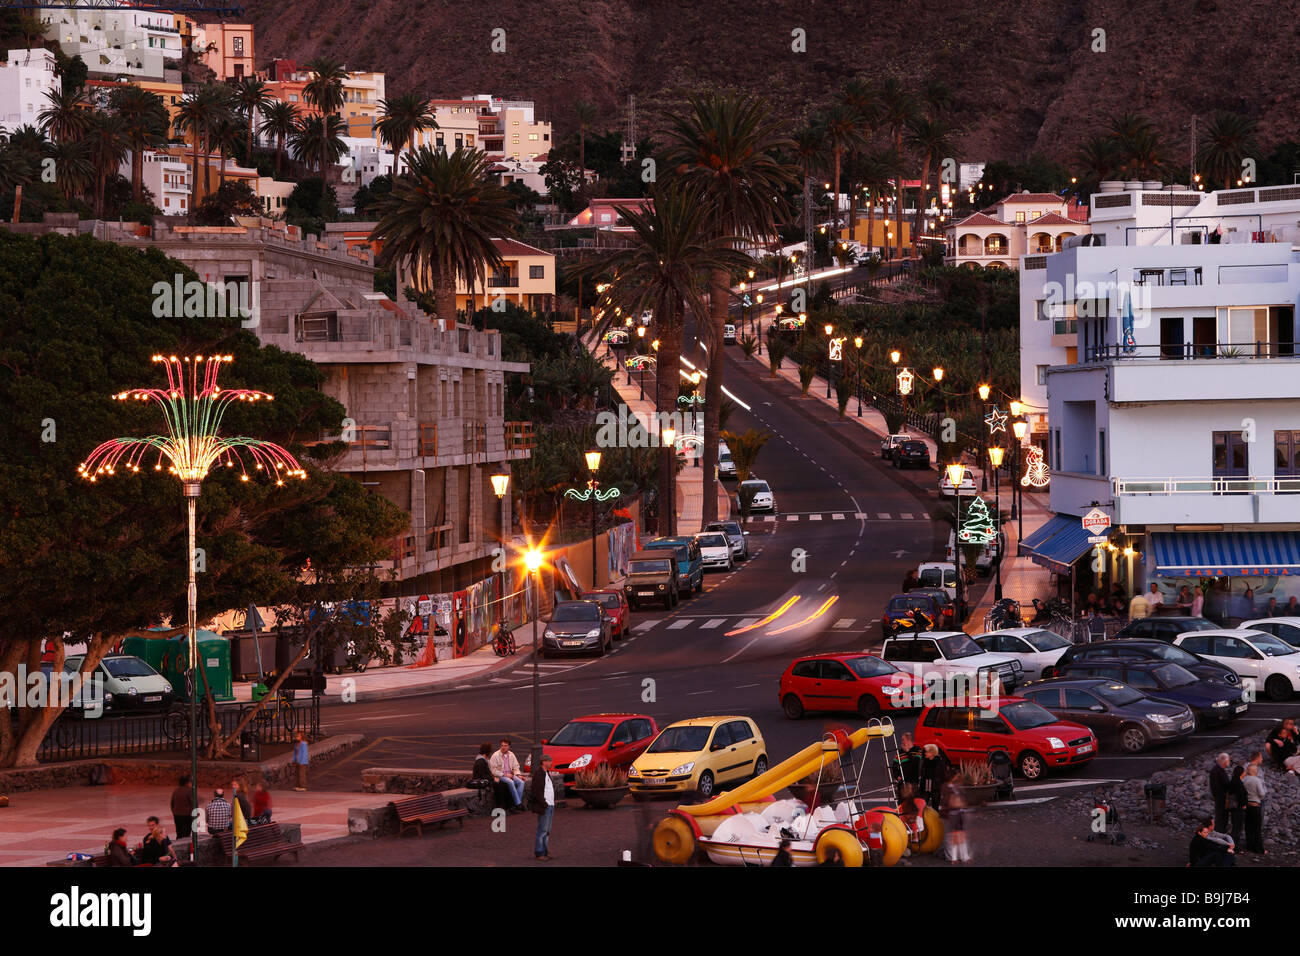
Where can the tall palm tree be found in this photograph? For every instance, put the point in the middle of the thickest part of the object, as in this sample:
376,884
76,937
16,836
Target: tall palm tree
404,117
280,119
227,132
936,97
858,95
897,107
728,148
1229,139
876,174
68,115
198,115
1096,160
841,133
931,139
439,222
16,170
318,140
144,116
1139,149
73,171
674,248
325,88
585,113
107,145
253,96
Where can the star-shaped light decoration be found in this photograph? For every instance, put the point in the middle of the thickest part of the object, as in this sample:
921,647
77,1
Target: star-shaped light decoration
996,420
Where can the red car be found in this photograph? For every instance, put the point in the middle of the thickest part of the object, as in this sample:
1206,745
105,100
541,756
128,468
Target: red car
860,683
615,739
1035,740
615,605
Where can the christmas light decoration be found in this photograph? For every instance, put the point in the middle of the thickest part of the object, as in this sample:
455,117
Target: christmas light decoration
1036,474
978,527
996,420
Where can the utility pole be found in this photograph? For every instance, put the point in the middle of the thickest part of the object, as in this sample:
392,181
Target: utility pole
807,242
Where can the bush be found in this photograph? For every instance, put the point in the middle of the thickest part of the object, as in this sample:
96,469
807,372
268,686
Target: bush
776,353
843,392
599,777
806,373
748,345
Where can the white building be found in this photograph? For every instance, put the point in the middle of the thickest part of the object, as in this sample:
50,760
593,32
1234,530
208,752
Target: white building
167,177
1024,223
529,173
115,40
1179,415
26,76
367,160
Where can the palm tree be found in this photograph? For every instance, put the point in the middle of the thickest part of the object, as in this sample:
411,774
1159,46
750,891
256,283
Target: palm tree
858,96
898,106
404,117
68,115
1229,139
1096,160
586,114
280,120
936,97
198,115
16,170
144,116
319,140
727,147
931,138
253,96
227,132
107,145
439,222
1139,150
674,247
876,174
325,88
73,170
840,133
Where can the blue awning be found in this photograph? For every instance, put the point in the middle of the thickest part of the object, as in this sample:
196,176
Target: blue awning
1195,554
1066,543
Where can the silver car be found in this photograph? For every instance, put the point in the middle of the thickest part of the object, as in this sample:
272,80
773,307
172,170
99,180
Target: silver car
735,537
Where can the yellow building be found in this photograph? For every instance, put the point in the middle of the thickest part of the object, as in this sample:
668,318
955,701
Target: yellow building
878,236
526,278
361,95
171,94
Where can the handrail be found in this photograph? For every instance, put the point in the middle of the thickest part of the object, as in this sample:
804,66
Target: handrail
1194,350
1214,485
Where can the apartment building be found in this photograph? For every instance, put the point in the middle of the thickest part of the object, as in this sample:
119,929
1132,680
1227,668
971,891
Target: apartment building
115,40
362,94
504,129
225,48
526,277
167,177
1179,415
26,76
1023,223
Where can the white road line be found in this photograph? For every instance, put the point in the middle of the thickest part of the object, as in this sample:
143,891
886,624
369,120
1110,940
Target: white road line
845,622
882,515
743,686
768,518
814,517
697,693
860,516
713,622
644,626
907,515
837,517
554,683
844,562
791,517
746,621
679,624
1063,783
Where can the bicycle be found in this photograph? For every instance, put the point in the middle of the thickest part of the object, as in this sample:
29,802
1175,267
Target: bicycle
504,641
263,721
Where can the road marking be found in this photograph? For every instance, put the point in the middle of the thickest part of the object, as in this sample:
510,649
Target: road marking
1019,803
746,621
679,624
501,680
644,626
768,518
1064,783
696,693
845,622
554,683
884,516
860,516
791,517
837,517
713,622
906,514
743,686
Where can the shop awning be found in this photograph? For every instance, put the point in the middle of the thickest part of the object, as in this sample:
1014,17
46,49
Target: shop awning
1065,544
1195,554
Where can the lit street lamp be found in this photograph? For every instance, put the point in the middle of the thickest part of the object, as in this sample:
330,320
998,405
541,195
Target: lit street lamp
592,494
1020,428
995,459
500,483
533,562
956,472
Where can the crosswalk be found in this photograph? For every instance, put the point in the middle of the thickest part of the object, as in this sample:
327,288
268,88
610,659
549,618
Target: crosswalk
842,516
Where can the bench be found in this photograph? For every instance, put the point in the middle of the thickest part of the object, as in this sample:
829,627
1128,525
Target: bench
429,808
265,842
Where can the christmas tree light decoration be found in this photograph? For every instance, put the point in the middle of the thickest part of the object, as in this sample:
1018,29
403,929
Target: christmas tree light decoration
1036,474
978,527
638,363
996,420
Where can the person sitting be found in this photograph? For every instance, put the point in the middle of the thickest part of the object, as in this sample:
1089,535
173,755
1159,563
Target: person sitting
156,848
261,803
218,813
1282,742
783,857
505,772
911,810
116,850
1205,850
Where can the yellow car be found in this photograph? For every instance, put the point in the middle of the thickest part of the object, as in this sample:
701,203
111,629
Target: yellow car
699,755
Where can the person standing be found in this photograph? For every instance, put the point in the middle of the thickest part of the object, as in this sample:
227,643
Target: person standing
183,808
237,795
958,848
1138,608
1198,601
1220,777
931,777
1237,803
541,801
1154,601
301,758
783,857
505,771
1255,793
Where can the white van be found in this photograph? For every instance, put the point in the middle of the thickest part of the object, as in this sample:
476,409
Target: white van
726,467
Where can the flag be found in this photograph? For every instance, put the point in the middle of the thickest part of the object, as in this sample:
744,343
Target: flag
1130,343
241,830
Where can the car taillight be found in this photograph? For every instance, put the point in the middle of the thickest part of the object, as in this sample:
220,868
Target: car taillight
947,612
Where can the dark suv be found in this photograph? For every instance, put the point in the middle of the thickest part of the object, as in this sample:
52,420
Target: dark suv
1114,710
900,607
1213,702
651,576
911,454
1145,651
1164,628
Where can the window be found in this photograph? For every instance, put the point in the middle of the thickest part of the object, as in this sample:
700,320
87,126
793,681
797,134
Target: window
1235,648
1286,454
624,733
1056,443
532,136
740,731
1101,451
237,46
990,725
1171,337
1041,374
642,729
721,737
1230,457
460,140
1078,700
536,272
834,670
1045,698
1196,644
1142,680
1020,217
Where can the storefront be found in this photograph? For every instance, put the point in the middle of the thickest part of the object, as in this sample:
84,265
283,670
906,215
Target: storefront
1239,570
1082,563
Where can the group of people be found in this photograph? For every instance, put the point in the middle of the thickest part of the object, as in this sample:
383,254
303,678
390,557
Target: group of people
1240,796
501,768
154,850
924,778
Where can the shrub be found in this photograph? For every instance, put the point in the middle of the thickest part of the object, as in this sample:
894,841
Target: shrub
600,777
776,353
806,373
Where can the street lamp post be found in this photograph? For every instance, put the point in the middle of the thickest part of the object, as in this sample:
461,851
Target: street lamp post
533,562
830,366
500,483
995,459
640,377
857,370
1019,428
956,472
592,493
667,520
984,392
193,406
756,322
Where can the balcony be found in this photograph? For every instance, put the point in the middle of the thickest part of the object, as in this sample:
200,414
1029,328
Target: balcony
1194,350
428,439
519,436
1205,500
503,282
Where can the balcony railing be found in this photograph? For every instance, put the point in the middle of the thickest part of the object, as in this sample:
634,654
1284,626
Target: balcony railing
364,436
1278,485
519,436
1191,350
503,282
428,439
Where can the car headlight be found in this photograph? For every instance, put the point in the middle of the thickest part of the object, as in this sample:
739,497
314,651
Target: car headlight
633,772
891,690
1221,703
662,587
167,688
1160,718
683,768
1056,743
594,632
549,633
132,691
581,762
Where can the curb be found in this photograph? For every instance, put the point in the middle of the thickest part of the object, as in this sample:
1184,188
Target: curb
419,690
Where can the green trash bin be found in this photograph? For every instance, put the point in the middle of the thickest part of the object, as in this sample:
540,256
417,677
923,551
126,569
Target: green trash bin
170,658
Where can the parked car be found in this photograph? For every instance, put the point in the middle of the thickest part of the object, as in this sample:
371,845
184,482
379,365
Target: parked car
764,499
1035,740
120,683
1115,711
852,683
1286,628
690,565
898,614
890,442
651,576
715,550
615,739
911,454
1032,646
615,604
697,755
577,627
726,464
1260,659
967,484
942,574
984,561
1163,628
943,655
1148,650
736,536
728,334
1213,702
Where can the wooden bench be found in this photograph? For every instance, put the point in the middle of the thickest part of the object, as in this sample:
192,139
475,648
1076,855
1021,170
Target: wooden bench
430,808
265,842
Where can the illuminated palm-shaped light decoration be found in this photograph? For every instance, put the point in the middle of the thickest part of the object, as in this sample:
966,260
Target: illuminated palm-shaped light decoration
193,405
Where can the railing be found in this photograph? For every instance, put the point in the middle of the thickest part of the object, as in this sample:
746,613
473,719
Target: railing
428,439
1192,350
403,548
1216,485
1035,262
503,282
519,436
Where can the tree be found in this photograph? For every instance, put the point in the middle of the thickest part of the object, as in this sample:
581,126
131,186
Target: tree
16,170
728,147
932,139
279,121
67,117
585,113
73,171
144,118
876,175
839,126
235,198
563,183
1095,160
325,88
440,219
898,106
227,133
858,96
404,117
1140,151
318,140
1229,139
107,145
96,560
200,112
312,204
253,96
369,194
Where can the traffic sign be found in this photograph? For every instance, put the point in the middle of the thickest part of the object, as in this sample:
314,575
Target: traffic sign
1096,522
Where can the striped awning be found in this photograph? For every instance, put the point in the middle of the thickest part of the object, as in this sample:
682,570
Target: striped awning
1039,536
1059,552
1195,554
